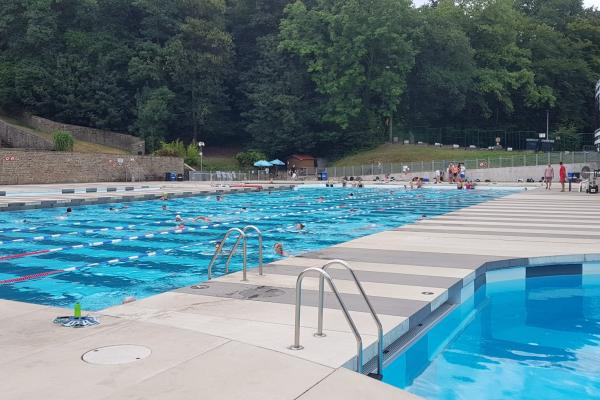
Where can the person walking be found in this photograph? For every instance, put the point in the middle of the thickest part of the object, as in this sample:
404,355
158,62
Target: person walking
562,174
548,175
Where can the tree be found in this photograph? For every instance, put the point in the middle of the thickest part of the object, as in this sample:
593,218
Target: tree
444,70
358,55
153,116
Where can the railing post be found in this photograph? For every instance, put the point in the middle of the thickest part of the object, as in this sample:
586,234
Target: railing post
537,162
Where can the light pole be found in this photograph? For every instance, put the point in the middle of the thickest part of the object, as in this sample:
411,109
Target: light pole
201,146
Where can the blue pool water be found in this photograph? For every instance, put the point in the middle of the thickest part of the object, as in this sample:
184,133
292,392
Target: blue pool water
105,253
535,338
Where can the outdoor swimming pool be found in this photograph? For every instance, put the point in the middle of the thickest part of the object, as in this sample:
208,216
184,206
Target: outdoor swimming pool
534,338
98,257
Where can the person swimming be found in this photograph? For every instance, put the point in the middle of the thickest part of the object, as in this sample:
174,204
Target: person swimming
320,199
164,207
299,226
66,214
201,218
219,198
178,218
278,248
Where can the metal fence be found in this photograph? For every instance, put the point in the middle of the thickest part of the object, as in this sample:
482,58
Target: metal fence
520,160
219,176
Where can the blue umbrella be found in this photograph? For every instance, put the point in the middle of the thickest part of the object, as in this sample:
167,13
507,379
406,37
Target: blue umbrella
277,162
263,163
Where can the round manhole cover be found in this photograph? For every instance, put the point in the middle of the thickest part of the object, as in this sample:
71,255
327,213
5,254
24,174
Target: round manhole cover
115,355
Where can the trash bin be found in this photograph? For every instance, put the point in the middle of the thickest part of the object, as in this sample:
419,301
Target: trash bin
171,176
322,176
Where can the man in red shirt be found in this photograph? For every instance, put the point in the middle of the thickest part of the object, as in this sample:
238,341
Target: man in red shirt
563,176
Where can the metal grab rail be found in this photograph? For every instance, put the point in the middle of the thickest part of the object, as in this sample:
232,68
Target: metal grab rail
371,309
260,246
241,236
326,276
260,249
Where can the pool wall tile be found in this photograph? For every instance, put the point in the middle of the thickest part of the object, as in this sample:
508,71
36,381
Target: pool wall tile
549,270
510,274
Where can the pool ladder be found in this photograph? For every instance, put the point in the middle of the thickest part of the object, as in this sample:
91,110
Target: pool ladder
243,237
324,276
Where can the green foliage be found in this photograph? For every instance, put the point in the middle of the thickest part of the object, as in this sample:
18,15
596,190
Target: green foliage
316,76
176,148
246,159
63,141
567,138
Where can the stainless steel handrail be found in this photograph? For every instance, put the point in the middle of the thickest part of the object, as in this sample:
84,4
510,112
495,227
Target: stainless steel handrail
260,249
260,246
364,295
241,236
326,276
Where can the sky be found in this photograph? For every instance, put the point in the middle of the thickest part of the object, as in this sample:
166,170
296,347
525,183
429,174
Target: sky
586,3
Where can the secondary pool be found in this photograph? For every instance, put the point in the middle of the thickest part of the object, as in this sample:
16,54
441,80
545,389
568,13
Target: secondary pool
98,255
535,338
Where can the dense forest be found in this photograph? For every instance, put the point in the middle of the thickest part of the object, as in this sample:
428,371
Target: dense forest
320,76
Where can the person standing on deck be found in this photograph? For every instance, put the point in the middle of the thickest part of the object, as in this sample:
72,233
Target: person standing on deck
562,174
548,175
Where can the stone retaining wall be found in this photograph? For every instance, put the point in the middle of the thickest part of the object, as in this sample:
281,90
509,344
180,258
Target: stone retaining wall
19,167
131,144
14,136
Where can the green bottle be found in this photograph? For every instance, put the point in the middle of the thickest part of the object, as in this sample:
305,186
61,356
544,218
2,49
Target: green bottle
77,310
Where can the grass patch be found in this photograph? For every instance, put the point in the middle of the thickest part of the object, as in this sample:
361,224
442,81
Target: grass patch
220,163
401,153
79,146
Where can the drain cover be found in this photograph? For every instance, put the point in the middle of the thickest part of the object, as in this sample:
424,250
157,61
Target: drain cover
199,286
115,355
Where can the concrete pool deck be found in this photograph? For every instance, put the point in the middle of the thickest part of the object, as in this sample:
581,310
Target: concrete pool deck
24,197
227,339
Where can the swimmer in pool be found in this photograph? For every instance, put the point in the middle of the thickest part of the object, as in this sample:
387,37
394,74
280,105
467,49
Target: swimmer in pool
178,218
202,218
219,198
278,248
164,207
365,228
321,199
299,226
66,214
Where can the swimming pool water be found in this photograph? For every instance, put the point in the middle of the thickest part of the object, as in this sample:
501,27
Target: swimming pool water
99,256
535,338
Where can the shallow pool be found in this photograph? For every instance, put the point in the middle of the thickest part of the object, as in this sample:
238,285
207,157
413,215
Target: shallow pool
99,256
535,338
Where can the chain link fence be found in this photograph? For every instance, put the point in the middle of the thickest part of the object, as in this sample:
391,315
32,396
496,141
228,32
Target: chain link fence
520,160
